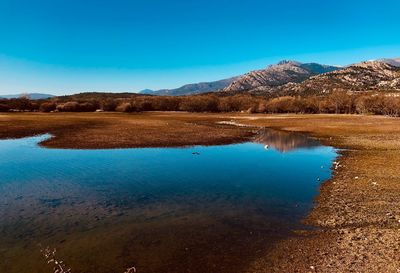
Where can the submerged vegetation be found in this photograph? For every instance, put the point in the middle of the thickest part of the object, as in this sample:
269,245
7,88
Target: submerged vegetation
338,102
59,265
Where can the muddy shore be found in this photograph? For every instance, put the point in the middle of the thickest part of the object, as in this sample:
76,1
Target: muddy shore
356,215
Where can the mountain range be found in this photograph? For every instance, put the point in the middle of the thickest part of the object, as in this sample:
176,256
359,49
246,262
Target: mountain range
286,78
291,77
379,75
192,89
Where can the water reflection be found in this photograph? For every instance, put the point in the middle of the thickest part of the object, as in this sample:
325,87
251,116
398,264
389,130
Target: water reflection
285,141
158,209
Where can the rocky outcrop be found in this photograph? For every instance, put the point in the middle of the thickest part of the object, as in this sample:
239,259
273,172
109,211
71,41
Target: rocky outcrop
365,76
276,75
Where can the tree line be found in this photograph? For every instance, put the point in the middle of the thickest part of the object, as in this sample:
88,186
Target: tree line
339,102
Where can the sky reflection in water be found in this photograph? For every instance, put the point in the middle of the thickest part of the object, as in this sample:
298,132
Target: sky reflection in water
161,209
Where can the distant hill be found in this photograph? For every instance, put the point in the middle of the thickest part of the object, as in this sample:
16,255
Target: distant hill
192,89
147,92
365,76
277,75
98,95
32,96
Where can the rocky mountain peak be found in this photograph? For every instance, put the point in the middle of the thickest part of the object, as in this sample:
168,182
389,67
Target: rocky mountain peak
276,75
380,65
288,62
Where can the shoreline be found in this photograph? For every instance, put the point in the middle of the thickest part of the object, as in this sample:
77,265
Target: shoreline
356,212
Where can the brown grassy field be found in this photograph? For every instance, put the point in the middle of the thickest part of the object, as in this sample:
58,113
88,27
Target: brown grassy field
357,212
120,130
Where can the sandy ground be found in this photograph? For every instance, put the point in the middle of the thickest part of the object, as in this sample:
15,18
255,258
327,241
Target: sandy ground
356,218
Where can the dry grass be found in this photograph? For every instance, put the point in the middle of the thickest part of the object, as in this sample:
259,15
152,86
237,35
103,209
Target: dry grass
118,130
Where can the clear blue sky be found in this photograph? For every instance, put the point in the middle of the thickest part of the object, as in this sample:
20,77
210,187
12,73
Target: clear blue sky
66,46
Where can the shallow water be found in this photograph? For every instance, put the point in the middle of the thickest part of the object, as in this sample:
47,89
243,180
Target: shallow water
193,209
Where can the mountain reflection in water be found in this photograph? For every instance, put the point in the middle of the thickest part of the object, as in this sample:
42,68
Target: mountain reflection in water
285,141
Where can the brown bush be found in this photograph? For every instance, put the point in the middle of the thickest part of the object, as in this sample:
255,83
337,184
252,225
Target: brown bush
311,105
378,104
108,104
88,106
391,106
199,104
142,104
239,103
342,102
282,105
4,107
166,103
125,107
71,106
47,107
325,106
23,104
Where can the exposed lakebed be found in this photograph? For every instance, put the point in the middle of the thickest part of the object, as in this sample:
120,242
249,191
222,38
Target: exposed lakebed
192,209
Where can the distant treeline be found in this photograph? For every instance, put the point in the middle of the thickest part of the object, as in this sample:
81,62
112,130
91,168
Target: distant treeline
336,102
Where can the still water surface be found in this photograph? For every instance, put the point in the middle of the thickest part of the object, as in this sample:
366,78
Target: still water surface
193,209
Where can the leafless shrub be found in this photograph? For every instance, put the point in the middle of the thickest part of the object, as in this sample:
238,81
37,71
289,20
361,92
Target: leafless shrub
142,104
125,107
199,104
71,106
47,107
88,106
108,105
22,103
4,107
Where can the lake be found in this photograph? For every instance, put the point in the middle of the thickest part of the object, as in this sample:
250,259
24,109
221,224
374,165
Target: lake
192,209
